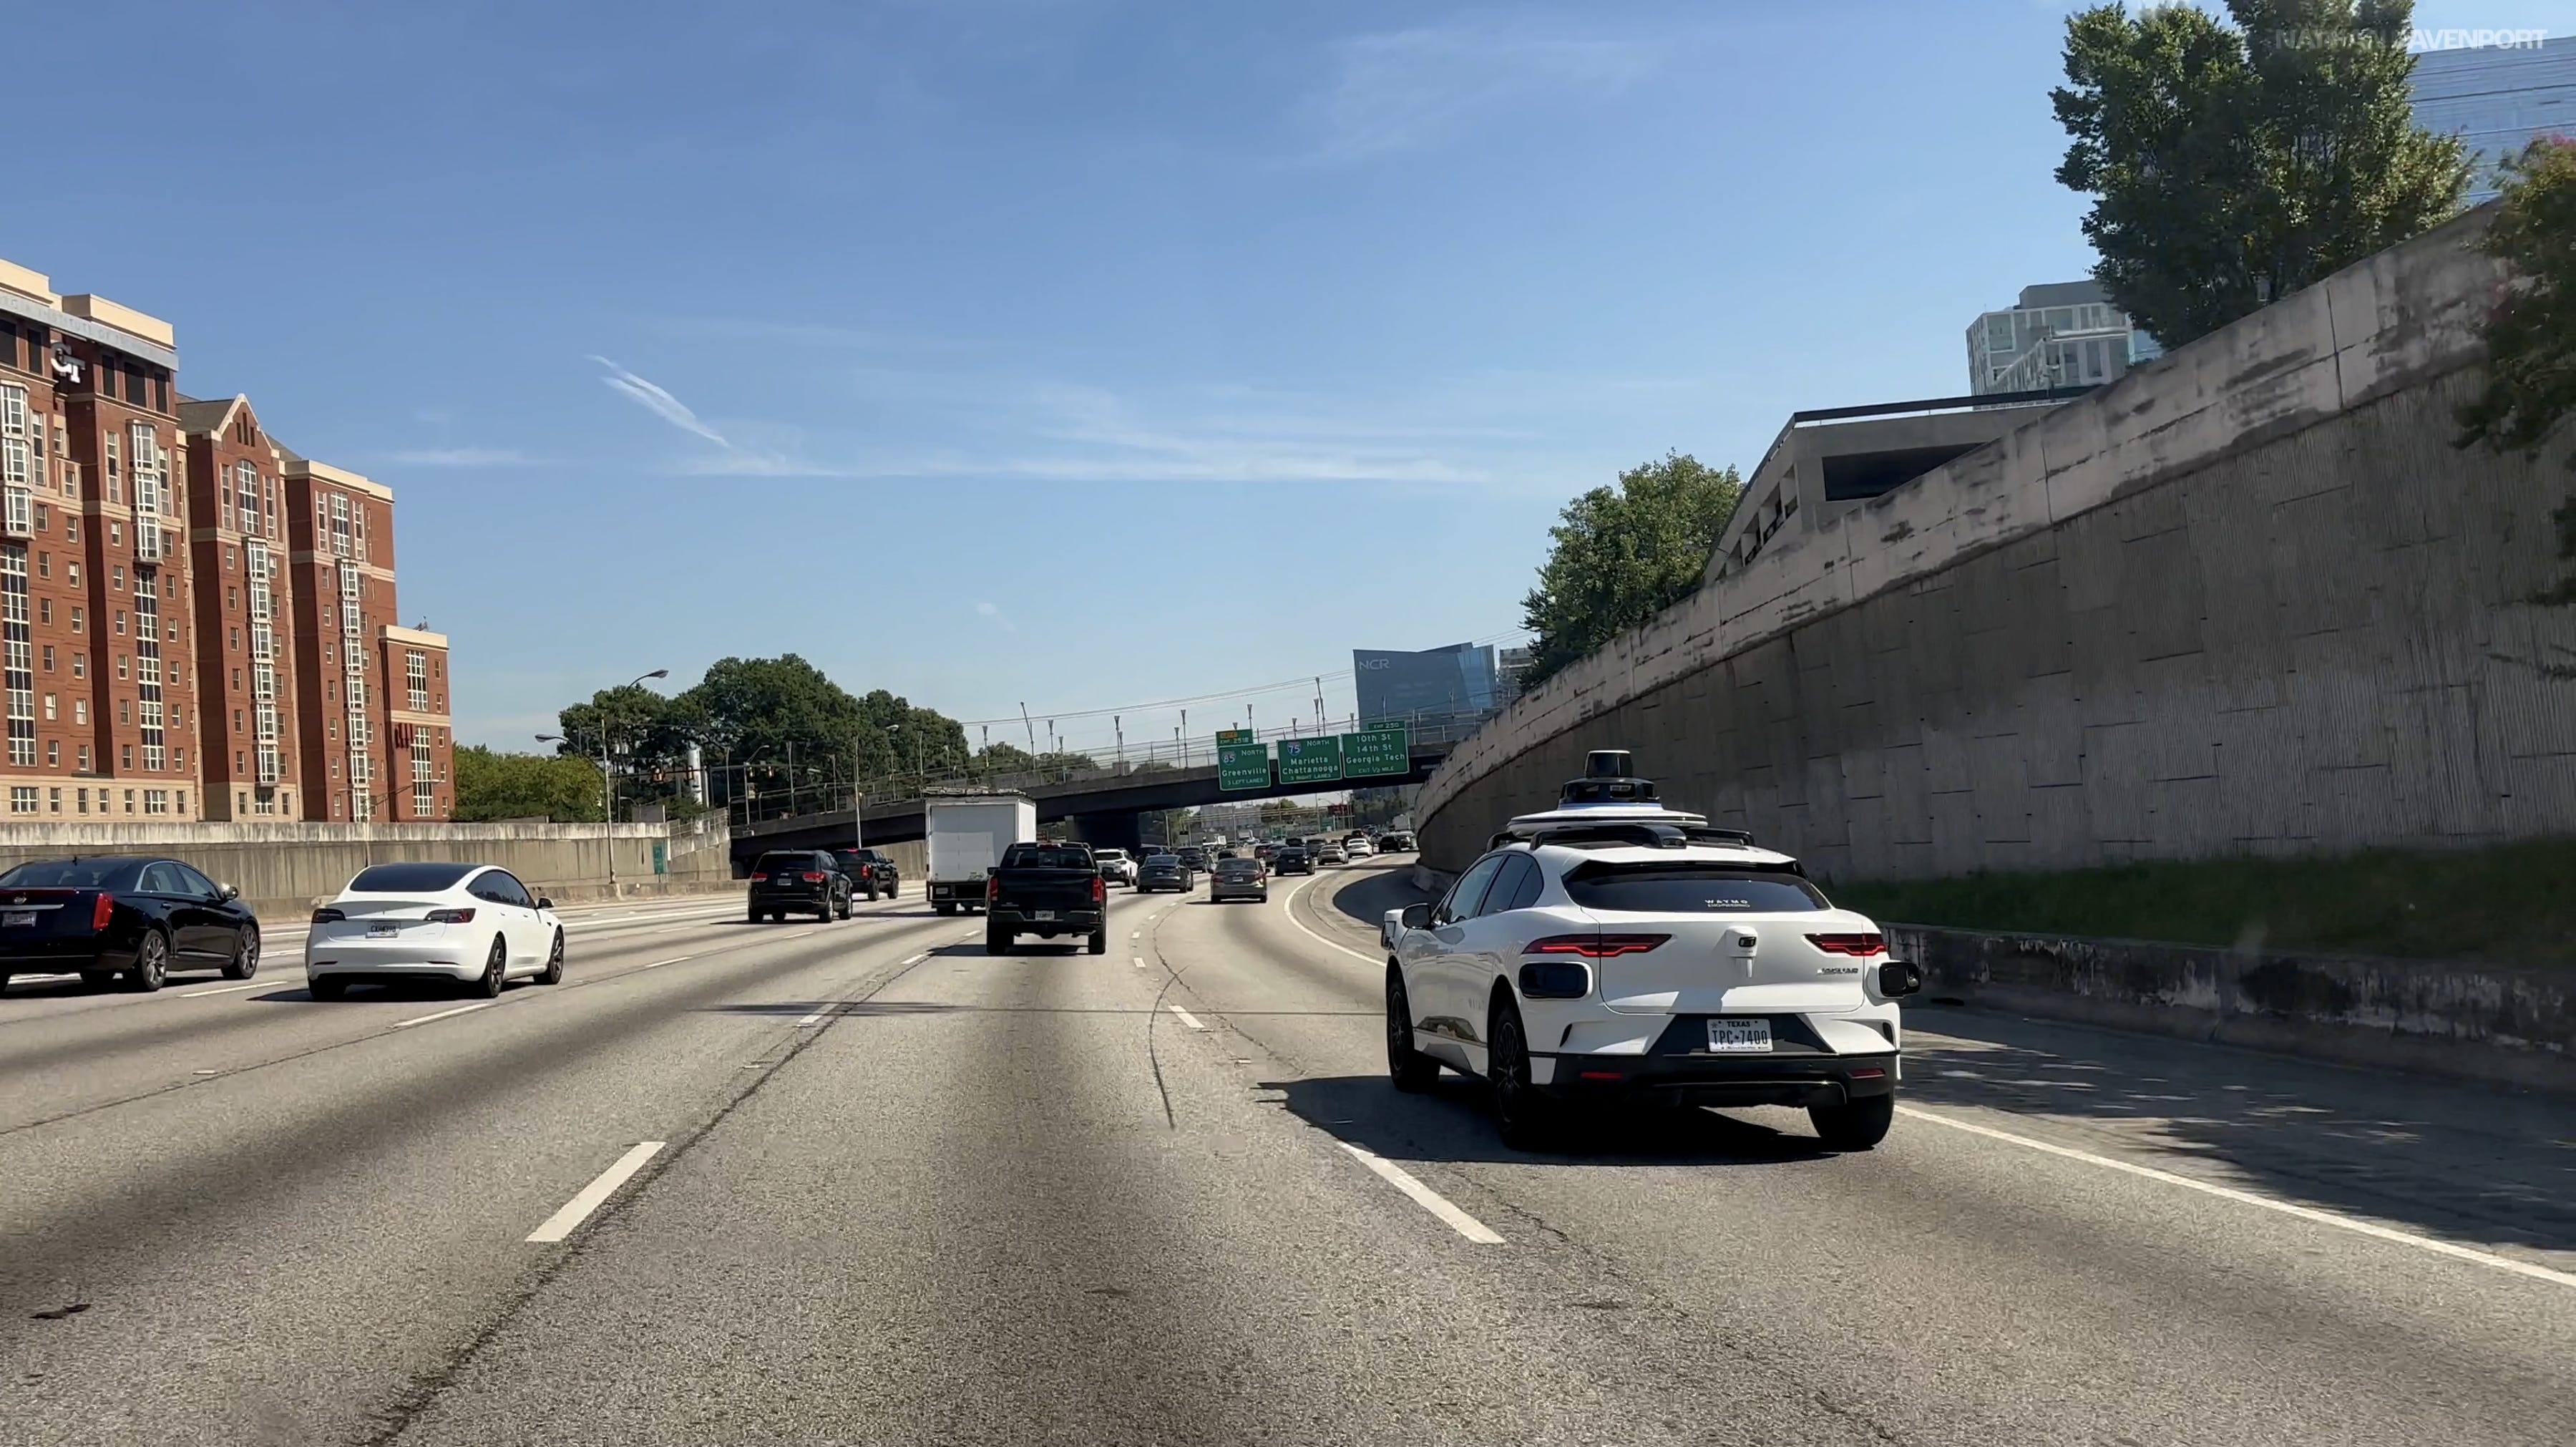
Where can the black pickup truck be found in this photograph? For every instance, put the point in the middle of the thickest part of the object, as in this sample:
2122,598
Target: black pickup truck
870,872
1045,890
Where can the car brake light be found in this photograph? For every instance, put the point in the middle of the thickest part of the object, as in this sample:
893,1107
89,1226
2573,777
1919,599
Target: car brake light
451,916
327,915
1099,889
1595,947
813,878
101,911
760,879
992,889
1857,946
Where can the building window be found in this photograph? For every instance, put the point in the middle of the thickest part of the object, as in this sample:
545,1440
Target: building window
80,715
19,662
22,798
125,759
44,610
71,575
71,534
120,622
49,707
183,801
44,565
53,753
416,671
83,765
54,800
80,665
237,726
129,801
120,667
156,801
79,623
44,524
49,658
115,572
125,715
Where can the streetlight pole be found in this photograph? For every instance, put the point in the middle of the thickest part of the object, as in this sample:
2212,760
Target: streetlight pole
608,780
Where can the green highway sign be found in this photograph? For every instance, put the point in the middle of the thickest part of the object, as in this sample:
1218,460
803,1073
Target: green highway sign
1378,749
1234,736
1310,761
1242,766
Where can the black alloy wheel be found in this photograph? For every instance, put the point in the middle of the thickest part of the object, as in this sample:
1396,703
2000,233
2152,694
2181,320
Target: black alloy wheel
1525,1118
553,973
245,960
1406,1065
488,984
151,961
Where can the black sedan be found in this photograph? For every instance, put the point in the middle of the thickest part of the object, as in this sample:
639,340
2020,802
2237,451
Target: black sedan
103,916
1293,859
1165,871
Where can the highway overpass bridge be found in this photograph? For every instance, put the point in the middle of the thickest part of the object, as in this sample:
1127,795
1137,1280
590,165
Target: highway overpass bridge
1103,805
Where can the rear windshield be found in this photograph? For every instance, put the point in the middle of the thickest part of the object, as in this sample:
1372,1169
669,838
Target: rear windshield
1047,856
783,864
1109,853
1690,889
1164,859
409,878
1231,868
73,874
862,856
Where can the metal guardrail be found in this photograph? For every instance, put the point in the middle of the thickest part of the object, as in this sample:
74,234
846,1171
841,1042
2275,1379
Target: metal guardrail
1135,761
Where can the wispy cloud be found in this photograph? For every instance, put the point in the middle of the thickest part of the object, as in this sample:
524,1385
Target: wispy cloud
1404,89
463,457
993,611
658,401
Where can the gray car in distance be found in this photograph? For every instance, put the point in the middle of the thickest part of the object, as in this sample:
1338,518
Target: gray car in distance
1165,871
1239,879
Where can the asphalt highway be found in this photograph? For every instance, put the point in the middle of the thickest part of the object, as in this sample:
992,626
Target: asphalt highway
859,1182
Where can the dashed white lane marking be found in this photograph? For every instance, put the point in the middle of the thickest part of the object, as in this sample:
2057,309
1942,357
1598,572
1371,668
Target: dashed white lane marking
561,1223
224,990
1425,1197
812,1019
673,960
2248,1198
1135,934
1137,960
444,1014
1186,1017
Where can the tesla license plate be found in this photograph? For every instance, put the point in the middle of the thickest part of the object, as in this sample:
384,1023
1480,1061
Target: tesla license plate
1739,1037
383,931
1045,914
17,917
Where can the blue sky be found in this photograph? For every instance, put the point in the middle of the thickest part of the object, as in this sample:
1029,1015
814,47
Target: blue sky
1064,352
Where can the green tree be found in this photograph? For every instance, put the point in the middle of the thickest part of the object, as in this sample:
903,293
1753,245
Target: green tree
647,735
1622,555
493,785
2529,390
2232,166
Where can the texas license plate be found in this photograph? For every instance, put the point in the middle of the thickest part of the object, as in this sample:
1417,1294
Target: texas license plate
16,917
383,931
1739,1037
1045,914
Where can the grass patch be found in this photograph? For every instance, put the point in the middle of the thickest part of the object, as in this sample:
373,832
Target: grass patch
2511,903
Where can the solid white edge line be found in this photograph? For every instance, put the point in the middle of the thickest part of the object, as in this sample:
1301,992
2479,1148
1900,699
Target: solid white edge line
2249,1198
443,1014
917,959
223,990
561,1223
1186,1017
673,960
1425,1197
1290,909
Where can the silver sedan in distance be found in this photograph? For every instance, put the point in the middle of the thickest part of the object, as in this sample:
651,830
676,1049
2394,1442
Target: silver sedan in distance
1239,879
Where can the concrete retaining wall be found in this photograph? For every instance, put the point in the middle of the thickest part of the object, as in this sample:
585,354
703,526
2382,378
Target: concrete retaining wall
2495,1023
284,869
2249,599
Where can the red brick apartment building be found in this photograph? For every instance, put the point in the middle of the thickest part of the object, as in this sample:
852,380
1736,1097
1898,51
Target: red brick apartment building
195,622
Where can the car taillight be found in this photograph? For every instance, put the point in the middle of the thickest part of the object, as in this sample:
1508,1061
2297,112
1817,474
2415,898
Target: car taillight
992,890
100,912
1594,947
451,916
760,879
813,878
327,915
1099,889
1857,946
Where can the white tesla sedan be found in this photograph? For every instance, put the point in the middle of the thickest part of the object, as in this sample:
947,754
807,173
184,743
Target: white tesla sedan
475,924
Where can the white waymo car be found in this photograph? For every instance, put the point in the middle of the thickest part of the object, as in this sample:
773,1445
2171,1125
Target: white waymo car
474,924
1614,950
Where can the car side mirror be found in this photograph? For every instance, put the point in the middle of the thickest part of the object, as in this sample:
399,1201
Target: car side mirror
226,892
544,903
1898,978
1417,916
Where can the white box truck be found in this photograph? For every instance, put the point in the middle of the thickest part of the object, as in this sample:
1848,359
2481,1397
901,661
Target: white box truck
967,834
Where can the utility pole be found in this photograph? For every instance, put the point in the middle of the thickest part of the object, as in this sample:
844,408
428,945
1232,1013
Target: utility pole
1183,734
1032,728
1120,725
1319,704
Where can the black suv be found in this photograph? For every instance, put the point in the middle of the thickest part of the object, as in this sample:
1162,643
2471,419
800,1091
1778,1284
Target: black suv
1293,859
797,881
870,872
